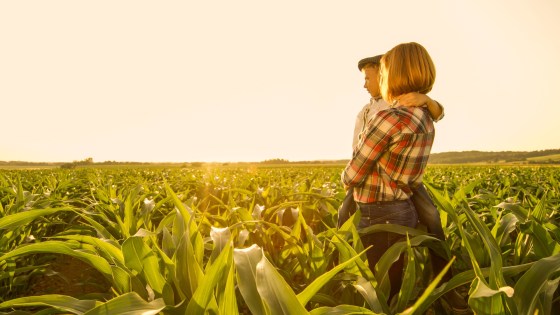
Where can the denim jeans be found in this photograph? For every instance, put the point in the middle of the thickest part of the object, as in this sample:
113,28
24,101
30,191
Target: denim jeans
401,212
425,208
428,215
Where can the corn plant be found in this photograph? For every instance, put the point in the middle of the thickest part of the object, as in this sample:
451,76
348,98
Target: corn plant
263,241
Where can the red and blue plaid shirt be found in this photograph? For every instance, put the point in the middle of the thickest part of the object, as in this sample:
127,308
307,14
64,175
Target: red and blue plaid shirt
391,155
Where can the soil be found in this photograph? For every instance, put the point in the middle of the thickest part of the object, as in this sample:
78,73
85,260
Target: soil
69,276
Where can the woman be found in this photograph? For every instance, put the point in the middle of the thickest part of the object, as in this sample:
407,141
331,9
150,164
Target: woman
393,151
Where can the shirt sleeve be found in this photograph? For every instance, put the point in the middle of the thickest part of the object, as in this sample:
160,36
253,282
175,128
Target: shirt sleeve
442,112
377,138
358,128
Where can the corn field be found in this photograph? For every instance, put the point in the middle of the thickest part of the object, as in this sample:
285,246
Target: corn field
262,240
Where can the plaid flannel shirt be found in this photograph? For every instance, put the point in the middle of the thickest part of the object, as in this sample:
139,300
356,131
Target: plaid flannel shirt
391,155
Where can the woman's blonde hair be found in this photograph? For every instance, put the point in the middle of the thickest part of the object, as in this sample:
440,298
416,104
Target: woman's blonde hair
406,68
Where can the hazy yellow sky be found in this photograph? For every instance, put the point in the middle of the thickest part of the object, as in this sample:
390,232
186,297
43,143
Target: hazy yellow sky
255,80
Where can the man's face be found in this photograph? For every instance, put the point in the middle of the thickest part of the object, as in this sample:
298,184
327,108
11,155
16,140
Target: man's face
371,77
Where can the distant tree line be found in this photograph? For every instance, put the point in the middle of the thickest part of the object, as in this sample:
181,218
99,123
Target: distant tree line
86,161
544,157
491,157
26,163
284,161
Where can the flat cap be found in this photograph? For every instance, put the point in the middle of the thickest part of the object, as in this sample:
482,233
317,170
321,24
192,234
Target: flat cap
375,60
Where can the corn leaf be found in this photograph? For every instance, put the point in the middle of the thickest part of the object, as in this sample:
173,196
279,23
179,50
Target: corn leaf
109,249
423,302
139,257
61,248
408,279
246,261
227,299
220,238
56,301
277,295
392,255
366,289
532,283
486,301
316,285
188,272
15,220
216,274
128,304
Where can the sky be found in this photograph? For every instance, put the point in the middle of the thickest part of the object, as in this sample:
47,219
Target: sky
251,80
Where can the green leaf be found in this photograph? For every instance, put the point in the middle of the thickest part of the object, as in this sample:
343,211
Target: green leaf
547,296
187,224
346,251
60,302
423,302
99,228
316,285
227,299
109,249
392,255
531,284
139,257
486,301
188,272
504,227
408,279
25,217
61,248
246,261
167,244
10,269
121,280
467,277
215,274
220,238
543,244
277,295
496,278
128,304
442,202
366,289
540,212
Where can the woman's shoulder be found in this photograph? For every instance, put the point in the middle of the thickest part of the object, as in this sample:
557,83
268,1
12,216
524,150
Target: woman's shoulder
403,115
417,111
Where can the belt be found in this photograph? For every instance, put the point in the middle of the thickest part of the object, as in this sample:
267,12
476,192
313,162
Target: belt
387,203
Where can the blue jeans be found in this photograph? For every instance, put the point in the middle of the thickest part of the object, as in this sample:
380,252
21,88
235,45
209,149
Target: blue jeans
428,215
401,212
425,208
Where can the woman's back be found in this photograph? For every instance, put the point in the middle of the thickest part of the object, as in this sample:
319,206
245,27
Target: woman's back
392,155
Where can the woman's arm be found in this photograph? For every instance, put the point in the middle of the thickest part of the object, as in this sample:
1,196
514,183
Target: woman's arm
418,99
